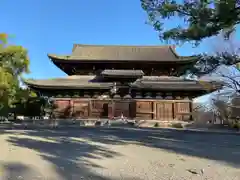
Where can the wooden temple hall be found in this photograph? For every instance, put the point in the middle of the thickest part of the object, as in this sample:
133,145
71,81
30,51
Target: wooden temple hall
140,82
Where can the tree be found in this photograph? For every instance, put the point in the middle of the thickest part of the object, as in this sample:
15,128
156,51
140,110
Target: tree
14,62
201,18
224,60
224,104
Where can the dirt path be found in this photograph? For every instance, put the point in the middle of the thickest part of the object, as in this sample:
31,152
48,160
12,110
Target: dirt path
105,155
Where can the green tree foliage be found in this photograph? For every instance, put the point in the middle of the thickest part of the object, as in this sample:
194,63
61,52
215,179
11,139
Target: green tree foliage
27,103
14,62
201,18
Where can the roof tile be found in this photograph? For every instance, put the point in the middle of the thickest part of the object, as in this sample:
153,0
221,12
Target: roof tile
123,53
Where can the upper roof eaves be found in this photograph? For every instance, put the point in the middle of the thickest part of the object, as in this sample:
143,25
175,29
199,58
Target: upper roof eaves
122,53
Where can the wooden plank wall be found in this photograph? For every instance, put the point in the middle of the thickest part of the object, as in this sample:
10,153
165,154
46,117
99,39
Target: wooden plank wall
62,108
163,109
134,109
80,108
99,108
144,109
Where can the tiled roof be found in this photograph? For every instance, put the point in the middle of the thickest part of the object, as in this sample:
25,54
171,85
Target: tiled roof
123,53
70,82
122,73
173,83
146,82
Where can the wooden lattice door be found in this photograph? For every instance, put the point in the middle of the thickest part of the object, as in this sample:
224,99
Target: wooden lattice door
62,109
99,108
183,111
144,110
80,109
121,107
164,110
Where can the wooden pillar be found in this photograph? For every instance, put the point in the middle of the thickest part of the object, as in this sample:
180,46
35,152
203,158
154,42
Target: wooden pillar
90,108
154,110
191,110
72,107
110,110
113,108
174,109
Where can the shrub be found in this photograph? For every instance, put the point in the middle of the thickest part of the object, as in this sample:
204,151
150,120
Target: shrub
98,123
235,125
177,125
156,124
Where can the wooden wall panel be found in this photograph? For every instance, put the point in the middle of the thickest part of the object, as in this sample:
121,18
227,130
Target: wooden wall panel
168,107
182,107
144,110
132,110
142,116
121,107
140,109
63,109
80,109
160,111
164,110
183,110
99,108
144,106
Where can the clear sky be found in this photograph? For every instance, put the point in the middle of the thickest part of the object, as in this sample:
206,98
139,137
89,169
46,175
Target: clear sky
53,26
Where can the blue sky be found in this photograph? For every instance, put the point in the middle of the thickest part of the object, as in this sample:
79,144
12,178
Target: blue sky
53,26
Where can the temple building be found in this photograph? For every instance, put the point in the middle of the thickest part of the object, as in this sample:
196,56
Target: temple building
140,82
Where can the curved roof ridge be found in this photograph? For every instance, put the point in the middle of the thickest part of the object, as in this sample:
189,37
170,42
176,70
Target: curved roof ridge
173,50
120,45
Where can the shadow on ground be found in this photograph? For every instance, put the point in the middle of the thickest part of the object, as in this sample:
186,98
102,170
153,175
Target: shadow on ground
21,171
67,146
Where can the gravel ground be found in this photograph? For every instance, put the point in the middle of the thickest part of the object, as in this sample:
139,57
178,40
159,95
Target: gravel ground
118,153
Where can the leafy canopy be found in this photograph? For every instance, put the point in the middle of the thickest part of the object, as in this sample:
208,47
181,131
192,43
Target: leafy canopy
14,62
202,18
